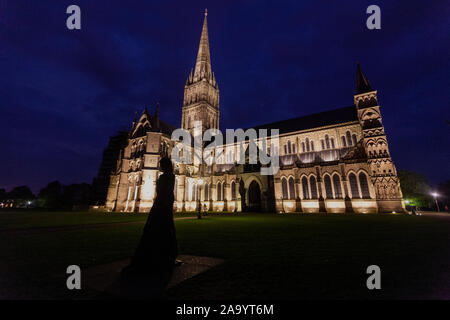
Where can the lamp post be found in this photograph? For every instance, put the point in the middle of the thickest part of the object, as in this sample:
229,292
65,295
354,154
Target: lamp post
435,195
199,183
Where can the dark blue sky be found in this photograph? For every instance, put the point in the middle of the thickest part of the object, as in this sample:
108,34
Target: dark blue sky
63,92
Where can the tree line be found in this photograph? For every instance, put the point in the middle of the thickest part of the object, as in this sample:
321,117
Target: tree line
53,196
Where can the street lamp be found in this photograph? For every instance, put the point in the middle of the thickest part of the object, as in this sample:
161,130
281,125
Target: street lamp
199,183
435,195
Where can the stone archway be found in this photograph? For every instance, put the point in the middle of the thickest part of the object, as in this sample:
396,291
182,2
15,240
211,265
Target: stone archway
254,197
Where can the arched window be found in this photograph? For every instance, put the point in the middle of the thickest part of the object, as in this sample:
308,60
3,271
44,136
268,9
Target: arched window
303,147
312,145
289,147
327,141
194,192
332,143
293,148
224,194
175,189
210,191
233,190
323,144
284,188
285,149
307,144
349,138
313,185
354,139
305,188
206,192
337,186
364,185
219,191
291,188
344,143
328,188
353,185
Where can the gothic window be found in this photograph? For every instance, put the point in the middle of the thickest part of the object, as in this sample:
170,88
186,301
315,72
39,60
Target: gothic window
349,138
194,195
206,195
210,190
293,148
219,191
337,186
305,188
233,190
223,191
323,144
284,188
353,185
312,145
344,143
328,188
354,139
327,141
313,185
289,147
364,185
285,149
332,143
291,188
307,144
303,147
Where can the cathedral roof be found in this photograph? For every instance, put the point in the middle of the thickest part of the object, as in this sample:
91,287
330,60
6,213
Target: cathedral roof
316,120
151,123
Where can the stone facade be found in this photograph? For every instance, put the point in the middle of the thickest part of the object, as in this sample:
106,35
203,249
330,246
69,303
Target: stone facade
335,161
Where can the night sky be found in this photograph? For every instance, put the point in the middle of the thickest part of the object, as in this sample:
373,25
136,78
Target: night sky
64,92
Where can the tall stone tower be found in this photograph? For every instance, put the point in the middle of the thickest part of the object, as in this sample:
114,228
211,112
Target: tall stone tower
201,92
382,169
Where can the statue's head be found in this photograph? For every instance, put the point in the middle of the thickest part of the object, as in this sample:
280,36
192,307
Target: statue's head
166,165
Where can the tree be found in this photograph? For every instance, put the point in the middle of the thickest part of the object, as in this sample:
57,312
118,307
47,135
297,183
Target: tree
50,197
21,195
22,192
77,195
416,189
444,194
2,194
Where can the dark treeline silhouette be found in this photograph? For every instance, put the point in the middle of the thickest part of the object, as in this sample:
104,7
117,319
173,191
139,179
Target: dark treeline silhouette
57,196
19,197
54,196
444,195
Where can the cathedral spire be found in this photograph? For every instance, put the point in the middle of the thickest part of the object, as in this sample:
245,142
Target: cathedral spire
362,84
201,92
203,64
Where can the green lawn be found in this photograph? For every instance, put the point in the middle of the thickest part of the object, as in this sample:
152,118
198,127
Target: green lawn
266,255
29,219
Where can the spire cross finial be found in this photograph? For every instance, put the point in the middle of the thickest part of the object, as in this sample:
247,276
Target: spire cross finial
206,11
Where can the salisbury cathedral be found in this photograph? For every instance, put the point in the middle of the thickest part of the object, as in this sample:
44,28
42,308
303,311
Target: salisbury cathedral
334,161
